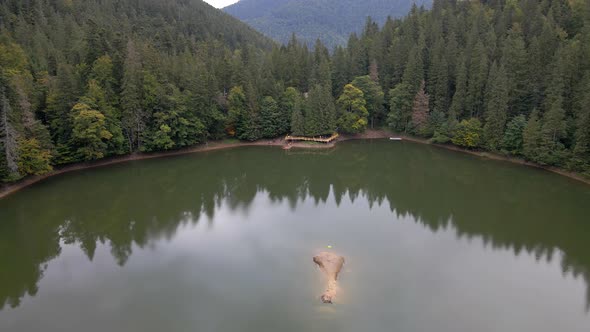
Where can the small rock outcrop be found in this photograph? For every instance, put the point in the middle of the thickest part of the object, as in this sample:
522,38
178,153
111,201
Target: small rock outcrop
330,264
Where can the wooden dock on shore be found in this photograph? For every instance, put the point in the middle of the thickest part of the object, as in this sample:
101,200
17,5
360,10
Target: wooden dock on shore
320,139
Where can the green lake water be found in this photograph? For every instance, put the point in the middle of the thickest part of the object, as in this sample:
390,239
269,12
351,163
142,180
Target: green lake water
223,241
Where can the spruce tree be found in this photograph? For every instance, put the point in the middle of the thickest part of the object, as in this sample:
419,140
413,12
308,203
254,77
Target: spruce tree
513,137
531,137
581,150
8,137
400,105
297,121
420,112
514,59
238,118
374,97
270,118
414,72
553,129
496,108
133,114
291,98
478,74
314,112
457,108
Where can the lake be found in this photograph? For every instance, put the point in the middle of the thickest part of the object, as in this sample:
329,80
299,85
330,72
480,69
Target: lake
434,240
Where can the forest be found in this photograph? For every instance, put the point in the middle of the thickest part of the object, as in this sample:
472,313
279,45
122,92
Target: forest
84,80
330,20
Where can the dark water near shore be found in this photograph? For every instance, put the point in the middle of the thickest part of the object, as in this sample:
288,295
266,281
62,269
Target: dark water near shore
223,241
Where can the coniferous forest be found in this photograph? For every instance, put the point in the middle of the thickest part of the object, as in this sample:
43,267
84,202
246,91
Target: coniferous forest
84,80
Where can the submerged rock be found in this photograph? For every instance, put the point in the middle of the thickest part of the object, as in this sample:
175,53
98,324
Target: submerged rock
330,264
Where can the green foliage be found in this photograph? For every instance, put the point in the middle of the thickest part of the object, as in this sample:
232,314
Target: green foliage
90,133
421,124
290,101
4,170
443,134
553,129
33,159
12,59
319,112
238,116
329,20
513,137
353,113
468,134
400,104
374,98
496,108
161,139
270,118
297,123
476,83
531,137
581,153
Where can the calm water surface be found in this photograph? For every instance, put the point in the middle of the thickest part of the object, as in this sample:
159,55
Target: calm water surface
223,241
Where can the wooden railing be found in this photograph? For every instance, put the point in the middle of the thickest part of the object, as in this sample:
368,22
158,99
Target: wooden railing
312,139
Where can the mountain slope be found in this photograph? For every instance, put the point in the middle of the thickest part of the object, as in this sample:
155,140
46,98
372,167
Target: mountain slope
330,20
83,80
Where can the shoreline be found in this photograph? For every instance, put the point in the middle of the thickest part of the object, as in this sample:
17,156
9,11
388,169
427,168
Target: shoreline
9,189
371,134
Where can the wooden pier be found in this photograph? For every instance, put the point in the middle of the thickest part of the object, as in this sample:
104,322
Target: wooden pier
312,139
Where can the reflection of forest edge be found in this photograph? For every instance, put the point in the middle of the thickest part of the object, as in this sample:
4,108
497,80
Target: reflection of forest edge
507,206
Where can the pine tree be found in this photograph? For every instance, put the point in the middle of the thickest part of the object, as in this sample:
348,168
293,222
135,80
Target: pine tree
414,72
289,101
8,136
531,137
441,89
513,137
514,59
133,114
340,70
478,74
400,104
329,111
297,121
420,112
314,113
553,129
374,97
496,108
270,118
457,109
581,151
238,117
438,78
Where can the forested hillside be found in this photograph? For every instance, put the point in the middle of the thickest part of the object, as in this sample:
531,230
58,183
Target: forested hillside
82,81
329,20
